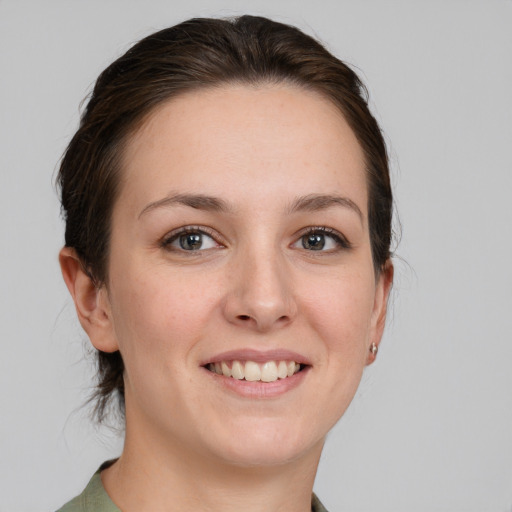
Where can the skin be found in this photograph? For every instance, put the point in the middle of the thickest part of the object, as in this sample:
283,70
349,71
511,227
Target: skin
191,441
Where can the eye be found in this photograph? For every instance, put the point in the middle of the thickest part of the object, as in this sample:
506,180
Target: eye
321,239
190,239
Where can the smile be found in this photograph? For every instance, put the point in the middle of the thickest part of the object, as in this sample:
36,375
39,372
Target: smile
251,371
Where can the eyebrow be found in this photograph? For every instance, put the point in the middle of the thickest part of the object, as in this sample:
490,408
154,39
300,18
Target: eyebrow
309,203
318,202
197,201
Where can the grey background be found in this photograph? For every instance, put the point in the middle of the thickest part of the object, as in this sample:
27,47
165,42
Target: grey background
431,426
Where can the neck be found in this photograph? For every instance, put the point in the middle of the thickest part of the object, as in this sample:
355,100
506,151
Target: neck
156,474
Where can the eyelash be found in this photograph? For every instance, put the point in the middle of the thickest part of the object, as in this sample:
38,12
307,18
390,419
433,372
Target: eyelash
188,230
339,239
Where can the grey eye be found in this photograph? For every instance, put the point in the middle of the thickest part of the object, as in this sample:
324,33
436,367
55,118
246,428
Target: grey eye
191,241
320,240
313,241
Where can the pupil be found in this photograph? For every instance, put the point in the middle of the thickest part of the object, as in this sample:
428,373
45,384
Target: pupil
191,241
314,242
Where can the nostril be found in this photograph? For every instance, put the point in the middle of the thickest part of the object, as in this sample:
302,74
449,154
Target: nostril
244,317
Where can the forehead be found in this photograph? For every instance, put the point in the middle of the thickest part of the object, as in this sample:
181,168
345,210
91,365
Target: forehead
236,138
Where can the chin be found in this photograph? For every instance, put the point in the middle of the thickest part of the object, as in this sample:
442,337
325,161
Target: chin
265,444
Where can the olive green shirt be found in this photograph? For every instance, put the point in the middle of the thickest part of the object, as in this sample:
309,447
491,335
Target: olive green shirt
94,498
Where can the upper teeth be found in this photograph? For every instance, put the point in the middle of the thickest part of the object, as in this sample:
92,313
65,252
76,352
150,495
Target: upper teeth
251,371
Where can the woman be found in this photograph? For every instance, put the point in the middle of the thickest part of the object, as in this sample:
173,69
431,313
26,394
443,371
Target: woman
228,226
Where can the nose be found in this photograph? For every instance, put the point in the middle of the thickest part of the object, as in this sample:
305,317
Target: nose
260,293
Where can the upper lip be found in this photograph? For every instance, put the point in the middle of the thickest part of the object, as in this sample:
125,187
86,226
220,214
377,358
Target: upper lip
258,356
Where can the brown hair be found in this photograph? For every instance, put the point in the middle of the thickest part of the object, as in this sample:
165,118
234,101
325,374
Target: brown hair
199,53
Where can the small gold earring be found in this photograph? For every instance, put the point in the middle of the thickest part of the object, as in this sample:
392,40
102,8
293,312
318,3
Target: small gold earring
374,349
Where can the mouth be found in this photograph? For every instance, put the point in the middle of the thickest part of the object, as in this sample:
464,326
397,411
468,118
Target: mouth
252,371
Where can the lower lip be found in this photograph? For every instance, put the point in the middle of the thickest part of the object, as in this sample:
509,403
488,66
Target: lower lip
259,389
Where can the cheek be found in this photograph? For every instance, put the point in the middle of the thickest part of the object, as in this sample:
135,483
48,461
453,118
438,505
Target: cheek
340,310
336,314
160,314
341,314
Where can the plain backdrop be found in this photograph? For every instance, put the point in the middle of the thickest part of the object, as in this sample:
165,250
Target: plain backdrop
431,426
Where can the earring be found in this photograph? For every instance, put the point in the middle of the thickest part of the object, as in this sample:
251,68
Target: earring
374,349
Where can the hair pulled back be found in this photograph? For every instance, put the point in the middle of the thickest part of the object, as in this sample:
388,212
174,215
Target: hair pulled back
199,53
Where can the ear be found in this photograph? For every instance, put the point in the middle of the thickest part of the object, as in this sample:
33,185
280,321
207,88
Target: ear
380,306
91,302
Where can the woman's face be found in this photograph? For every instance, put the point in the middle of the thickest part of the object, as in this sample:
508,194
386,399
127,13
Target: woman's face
240,238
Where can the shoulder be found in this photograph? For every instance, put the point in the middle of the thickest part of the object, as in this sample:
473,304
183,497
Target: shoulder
94,498
316,504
